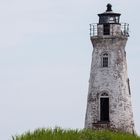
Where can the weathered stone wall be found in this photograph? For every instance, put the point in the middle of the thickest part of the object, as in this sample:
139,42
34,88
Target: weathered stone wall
113,80
115,29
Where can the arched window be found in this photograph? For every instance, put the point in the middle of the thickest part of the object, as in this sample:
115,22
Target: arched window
104,94
105,60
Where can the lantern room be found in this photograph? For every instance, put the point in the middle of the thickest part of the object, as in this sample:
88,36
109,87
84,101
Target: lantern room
109,16
109,25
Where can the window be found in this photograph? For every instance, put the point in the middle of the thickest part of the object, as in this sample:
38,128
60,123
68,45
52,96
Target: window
104,94
106,29
111,20
105,60
129,86
117,19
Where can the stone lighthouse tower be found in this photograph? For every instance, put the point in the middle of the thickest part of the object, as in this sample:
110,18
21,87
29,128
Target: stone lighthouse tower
109,96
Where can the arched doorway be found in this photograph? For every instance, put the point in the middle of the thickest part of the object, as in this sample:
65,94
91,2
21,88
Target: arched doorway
104,107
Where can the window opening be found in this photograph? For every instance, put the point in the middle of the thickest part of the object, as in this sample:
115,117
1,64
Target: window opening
128,82
104,109
105,60
106,29
104,94
111,20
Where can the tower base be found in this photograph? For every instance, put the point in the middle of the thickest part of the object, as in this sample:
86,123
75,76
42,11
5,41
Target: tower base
107,126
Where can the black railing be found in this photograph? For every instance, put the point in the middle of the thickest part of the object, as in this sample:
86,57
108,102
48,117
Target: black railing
124,29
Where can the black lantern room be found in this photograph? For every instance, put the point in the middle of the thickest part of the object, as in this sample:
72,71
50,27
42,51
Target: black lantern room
109,16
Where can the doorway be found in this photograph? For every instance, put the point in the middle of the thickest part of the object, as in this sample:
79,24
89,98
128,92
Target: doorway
104,109
106,28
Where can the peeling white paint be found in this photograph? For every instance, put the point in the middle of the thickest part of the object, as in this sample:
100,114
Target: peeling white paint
112,79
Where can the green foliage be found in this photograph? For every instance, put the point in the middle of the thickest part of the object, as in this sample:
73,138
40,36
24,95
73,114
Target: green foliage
61,134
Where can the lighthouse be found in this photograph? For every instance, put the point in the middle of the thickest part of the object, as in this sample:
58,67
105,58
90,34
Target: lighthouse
109,95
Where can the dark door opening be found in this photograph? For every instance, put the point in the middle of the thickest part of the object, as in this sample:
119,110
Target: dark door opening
104,109
106,29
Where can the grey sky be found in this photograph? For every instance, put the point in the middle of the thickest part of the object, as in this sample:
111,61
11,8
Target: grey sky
45,56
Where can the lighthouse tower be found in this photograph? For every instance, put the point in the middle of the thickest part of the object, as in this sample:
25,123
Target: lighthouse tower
109,96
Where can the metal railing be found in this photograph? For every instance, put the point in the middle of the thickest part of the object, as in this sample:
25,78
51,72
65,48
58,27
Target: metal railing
124,29
93,29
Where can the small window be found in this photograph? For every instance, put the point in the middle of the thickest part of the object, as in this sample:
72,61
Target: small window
111,20
105,60
117,19
129,86
104,94
106,29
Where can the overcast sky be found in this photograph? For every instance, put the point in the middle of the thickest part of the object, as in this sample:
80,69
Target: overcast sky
45,58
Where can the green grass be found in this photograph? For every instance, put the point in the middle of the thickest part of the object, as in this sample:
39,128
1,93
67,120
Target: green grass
60,134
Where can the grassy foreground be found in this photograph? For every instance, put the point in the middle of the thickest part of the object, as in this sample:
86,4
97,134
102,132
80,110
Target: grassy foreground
60,134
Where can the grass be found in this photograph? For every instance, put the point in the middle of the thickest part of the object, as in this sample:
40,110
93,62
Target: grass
61,134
